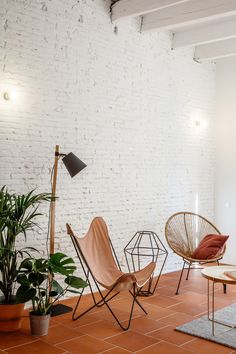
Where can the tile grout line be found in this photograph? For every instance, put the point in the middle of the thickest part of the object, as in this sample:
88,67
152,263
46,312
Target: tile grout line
149,346
68,340
20,345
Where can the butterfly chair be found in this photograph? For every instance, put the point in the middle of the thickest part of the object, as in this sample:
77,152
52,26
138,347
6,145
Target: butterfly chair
99,263
183,232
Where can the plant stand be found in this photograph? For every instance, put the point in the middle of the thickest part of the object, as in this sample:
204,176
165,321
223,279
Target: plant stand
145,247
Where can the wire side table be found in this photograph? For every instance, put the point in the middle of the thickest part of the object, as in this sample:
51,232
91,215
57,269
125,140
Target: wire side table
145,247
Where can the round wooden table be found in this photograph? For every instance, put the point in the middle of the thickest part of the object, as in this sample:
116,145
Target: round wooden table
217,274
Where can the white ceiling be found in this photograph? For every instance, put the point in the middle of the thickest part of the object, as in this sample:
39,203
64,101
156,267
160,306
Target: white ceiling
207,25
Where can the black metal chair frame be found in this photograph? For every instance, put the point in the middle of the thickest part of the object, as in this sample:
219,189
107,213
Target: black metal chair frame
104,298
188,271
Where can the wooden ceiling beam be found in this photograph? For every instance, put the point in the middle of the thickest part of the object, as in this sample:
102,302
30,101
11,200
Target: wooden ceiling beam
205,33
217,50
188,13
133,8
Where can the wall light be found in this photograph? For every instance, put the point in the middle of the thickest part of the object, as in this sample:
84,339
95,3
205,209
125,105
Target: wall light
201,123
199,119
10,95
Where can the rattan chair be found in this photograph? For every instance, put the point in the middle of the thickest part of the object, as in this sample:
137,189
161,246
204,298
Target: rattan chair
100,264
183,232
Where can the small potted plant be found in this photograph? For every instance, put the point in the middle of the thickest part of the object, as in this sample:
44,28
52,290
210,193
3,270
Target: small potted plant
18,215
37,283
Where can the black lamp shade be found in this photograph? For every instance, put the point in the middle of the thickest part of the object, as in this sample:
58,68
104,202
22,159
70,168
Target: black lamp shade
73,164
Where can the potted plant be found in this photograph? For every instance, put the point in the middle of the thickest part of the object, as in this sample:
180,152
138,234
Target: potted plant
18,215
37,282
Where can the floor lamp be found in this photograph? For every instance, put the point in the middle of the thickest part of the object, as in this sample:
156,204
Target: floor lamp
73,165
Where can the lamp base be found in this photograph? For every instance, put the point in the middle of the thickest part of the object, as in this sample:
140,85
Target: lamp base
60,309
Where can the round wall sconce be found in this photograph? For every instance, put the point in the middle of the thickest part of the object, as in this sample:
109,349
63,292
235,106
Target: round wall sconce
6,96
201,123
10,95
199,119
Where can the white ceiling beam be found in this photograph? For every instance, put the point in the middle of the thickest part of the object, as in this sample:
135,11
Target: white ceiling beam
215,50
133,8
188,13
205,33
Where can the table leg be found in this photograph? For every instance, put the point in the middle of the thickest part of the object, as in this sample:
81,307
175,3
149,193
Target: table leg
208,299
211,305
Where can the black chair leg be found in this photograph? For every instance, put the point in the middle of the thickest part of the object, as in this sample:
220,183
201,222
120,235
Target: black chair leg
188,271
224,285
180,278
131,310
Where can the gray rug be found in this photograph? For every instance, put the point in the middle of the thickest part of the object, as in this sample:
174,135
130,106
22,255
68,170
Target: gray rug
202,327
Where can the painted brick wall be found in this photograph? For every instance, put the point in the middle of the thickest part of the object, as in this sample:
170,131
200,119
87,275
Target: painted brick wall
124,102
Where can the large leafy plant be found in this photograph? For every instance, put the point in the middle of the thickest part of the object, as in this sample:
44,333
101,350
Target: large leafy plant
37,281
18,215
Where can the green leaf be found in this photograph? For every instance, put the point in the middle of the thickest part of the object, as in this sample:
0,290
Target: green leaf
26,264
76,282
57,287
62,264
37,278
74,291
24,294
41,265
33,277
53,293
23,280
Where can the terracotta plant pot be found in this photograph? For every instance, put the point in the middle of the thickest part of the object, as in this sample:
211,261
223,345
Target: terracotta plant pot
10,317
39,324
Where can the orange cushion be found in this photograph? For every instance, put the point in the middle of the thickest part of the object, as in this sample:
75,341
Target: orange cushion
210,246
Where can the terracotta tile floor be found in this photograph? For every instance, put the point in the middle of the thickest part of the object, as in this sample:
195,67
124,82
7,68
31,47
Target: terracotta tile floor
98,333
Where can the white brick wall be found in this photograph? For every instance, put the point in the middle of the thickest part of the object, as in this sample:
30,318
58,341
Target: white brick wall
123,102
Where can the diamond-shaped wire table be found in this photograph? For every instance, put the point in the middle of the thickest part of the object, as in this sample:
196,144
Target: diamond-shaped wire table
145,247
